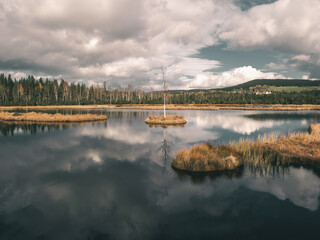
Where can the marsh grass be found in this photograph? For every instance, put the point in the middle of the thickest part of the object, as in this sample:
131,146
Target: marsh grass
269,154
206,158
259,158
45,117
168,120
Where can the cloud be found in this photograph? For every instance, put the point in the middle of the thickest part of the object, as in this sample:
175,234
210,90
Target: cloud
99,40
301,187
247,4
106,40
237,123
286,26
230,78
307,63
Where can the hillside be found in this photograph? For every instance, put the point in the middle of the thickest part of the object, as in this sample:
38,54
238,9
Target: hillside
276,83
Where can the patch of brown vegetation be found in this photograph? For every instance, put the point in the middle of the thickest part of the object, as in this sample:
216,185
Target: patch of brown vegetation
295,148
168,120
206,158
48,118
304,147
267,151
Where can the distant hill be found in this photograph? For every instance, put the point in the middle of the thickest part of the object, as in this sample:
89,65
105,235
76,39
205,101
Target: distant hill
275,83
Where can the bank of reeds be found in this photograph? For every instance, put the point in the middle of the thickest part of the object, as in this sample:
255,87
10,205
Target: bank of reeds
267,153
49,118
168,120
301,147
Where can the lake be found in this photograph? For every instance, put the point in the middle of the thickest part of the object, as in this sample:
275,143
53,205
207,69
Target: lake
113,180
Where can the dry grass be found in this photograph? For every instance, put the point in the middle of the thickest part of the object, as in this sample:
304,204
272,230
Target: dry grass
206,158
266,154
271,150
168,120
274,107
303,147
44,117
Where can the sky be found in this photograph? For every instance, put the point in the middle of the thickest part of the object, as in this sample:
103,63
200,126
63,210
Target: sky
200,43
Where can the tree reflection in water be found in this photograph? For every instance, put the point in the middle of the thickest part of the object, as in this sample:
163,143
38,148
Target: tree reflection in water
165,148
12,128
166,145
200,177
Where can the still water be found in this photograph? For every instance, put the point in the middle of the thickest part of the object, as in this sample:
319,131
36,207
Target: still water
113,180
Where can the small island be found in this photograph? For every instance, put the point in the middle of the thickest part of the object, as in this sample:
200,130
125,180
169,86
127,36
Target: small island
49,118
168,120
207,158
164,120
297,148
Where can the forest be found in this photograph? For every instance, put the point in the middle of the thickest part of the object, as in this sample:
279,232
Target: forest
30,91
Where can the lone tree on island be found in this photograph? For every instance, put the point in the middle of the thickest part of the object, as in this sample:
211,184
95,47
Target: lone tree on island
165,87
165,120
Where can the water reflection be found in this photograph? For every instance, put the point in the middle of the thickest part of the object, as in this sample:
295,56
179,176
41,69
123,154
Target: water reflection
201,177
165,148
112,181
236,123
11,128
299,185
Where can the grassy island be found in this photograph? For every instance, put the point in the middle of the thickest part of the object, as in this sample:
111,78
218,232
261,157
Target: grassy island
207,158
49,118
168,120
297,148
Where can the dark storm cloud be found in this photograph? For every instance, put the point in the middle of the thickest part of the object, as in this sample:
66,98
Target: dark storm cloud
29,66
247,4
309,64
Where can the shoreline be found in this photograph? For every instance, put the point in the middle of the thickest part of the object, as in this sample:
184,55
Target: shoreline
262,107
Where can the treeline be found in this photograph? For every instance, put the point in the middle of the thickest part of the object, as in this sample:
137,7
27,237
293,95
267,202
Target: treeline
30,91
274,82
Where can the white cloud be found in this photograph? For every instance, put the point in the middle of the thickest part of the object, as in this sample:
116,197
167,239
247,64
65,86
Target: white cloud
302,57
230,78
286,26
